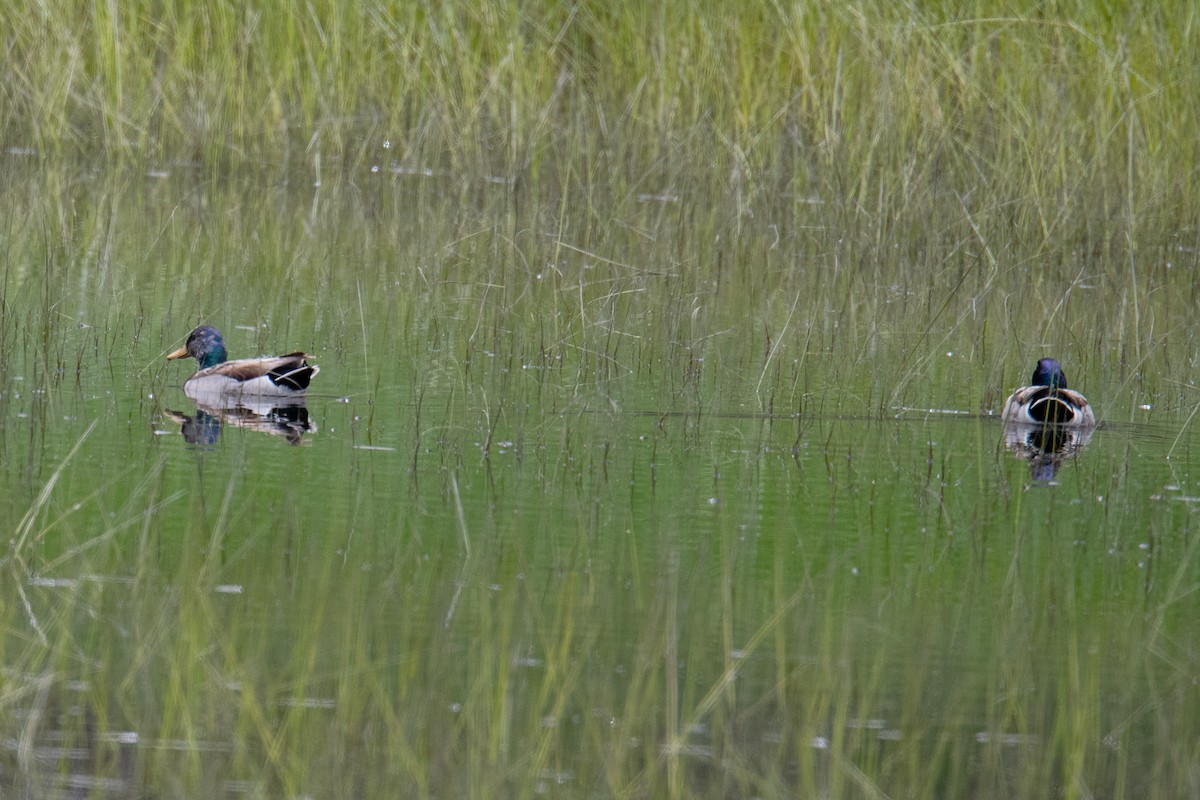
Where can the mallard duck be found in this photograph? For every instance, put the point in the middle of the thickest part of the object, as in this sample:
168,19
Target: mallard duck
1048,401
267,376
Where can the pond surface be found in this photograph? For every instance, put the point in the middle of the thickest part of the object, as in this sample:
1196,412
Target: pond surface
584,502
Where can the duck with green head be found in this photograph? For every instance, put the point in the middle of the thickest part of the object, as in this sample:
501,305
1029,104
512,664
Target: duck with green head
267,376
1048,401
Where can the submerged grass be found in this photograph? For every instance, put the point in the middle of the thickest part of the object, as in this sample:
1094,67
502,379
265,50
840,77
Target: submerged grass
650,663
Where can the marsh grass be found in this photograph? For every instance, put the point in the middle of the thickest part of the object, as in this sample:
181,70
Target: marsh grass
896,178
1082,116
629,299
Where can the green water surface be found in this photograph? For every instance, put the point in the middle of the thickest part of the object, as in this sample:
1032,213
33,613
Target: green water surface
610,493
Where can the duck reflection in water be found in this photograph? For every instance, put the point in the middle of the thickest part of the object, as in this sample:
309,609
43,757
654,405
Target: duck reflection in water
1047,423
1045,447
287,419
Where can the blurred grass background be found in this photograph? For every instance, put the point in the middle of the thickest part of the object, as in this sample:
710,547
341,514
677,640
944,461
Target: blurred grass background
1067,103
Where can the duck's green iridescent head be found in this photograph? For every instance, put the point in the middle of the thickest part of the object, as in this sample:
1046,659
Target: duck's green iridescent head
205,345
1049,373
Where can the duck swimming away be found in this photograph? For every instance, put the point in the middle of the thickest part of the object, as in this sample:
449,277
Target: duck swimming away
1048,401
267,376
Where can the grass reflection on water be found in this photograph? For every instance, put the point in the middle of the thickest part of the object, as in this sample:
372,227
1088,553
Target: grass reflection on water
645,602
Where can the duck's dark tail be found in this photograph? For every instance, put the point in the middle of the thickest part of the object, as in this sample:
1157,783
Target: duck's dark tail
1049,408
294,375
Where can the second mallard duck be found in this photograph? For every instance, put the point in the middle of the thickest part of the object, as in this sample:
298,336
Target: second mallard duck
1048,401
267,376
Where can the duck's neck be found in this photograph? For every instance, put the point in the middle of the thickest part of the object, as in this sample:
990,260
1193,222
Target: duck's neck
215,355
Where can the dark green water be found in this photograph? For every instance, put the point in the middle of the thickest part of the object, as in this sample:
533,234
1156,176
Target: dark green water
580,511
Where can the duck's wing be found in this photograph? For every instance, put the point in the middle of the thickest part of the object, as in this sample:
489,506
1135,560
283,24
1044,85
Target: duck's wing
247,369
1017,403
1083,408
